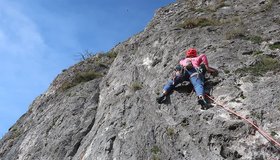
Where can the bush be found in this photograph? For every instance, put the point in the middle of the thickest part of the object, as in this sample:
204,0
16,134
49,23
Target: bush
112,54
79,78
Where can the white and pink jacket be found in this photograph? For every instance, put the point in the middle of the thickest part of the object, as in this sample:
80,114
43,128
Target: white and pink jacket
196,61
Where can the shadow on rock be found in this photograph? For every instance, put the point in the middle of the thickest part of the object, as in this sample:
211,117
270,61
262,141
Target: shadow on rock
185,88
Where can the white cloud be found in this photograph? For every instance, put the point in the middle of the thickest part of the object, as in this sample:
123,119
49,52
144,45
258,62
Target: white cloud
22,50
18,33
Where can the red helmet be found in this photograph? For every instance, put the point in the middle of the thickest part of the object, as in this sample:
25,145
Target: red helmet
191,53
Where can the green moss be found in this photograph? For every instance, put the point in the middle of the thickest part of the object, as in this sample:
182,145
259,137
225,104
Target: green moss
170,132
274,46
79,78
136,86
255,39
262,66
155,150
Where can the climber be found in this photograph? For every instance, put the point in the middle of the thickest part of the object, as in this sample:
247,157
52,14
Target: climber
177,77
196,67
185,72
193,68
197,80
199,61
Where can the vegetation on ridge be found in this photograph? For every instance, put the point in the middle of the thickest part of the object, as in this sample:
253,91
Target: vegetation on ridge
95,69
79,78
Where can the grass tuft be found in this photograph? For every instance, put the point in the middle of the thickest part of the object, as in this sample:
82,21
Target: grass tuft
112,54
274,46
235,33
262,66
155,150
256,53
198,22
79,78
255,39
170,132
136,86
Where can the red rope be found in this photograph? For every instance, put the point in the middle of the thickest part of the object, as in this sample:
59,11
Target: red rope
262,132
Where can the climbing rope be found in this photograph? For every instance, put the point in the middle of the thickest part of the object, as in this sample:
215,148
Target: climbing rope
262,132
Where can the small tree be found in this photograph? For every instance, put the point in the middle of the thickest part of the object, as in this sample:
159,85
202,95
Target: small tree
85,55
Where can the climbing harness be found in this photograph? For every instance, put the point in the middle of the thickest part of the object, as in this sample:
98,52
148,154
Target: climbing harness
262,132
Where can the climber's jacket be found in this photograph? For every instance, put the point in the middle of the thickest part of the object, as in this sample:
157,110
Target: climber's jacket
196,61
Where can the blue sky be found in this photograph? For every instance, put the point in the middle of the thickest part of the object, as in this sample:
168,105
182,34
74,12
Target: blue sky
40,38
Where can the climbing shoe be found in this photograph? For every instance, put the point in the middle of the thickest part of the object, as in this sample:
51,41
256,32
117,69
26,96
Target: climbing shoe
160,99
201,101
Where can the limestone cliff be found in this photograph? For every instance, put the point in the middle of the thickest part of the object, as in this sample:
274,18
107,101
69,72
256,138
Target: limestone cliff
104,107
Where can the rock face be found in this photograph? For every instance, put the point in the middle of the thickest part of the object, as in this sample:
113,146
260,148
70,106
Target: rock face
104,108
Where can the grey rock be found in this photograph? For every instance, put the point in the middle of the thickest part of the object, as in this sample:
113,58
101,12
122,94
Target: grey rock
114,115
